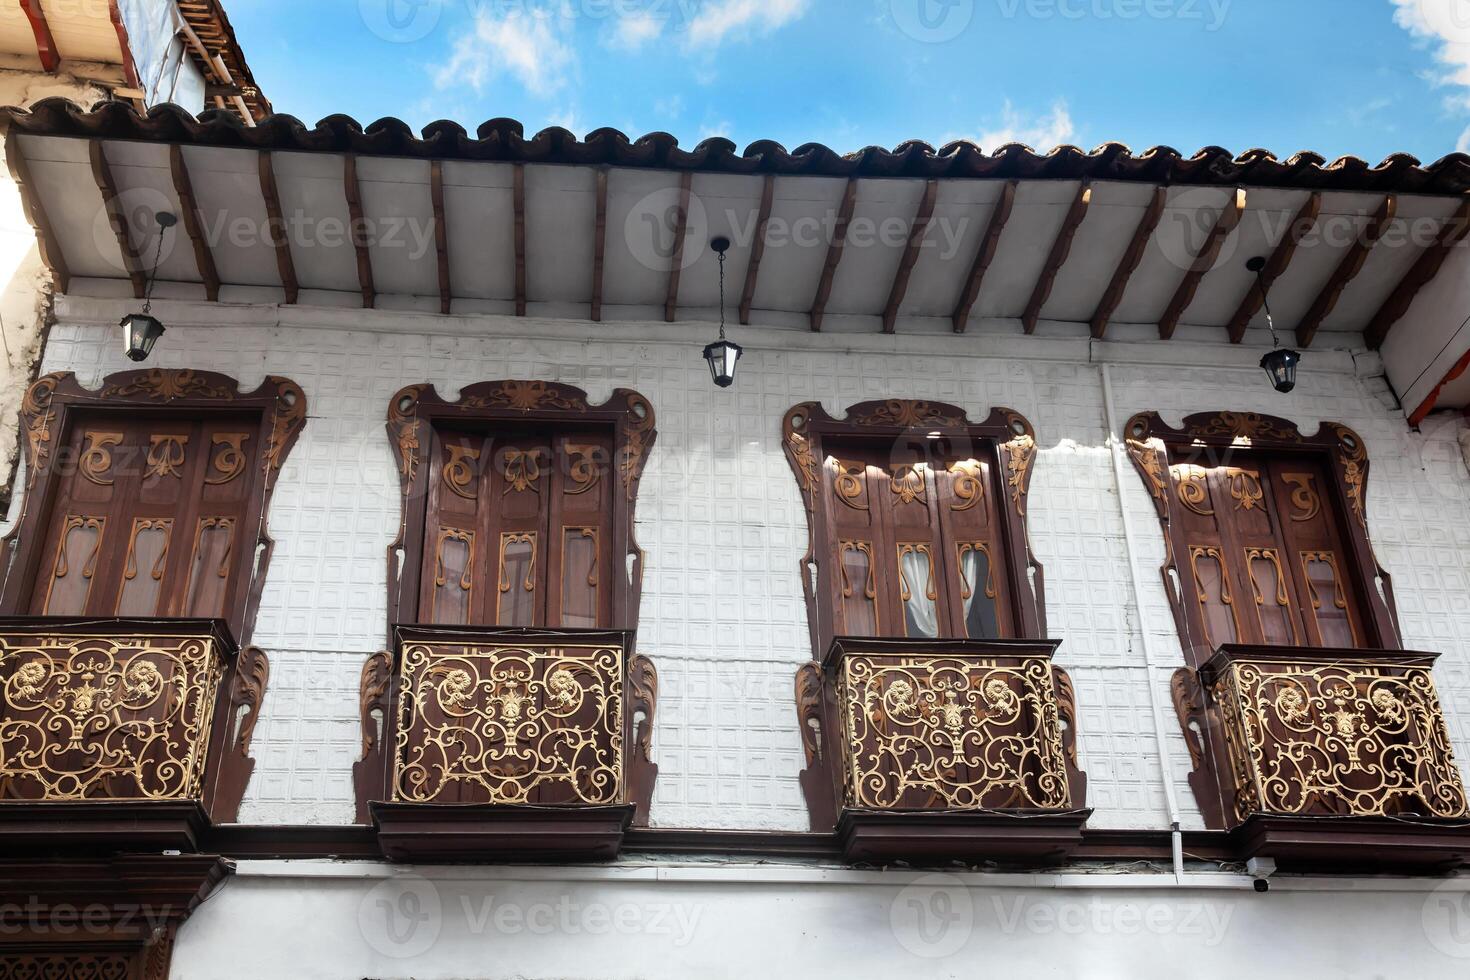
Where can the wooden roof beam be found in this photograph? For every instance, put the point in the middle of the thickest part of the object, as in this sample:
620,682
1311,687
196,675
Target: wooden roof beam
599,243
130,68
45,43
193,222
985,256
1227,222
1347,270
681,227
757,247
46,241
1060,249
276,229
1108,305
132,262
1453,231
359,230
518,195
1276,265
917,231
441,235
834,253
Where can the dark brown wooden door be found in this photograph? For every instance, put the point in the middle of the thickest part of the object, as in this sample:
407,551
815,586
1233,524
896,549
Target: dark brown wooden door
519,529
1265,556
914,547
148,517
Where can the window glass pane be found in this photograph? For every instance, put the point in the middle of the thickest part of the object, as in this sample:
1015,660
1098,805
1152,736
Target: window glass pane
517,582
1329,600
454,574
1273,603
978,591
579,577
76,565
143,569
859,589
210,569
916,590
1212,590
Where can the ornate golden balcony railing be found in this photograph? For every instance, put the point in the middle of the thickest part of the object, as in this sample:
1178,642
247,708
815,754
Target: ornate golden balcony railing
1333,733
952,732
973,733
495,716
116,711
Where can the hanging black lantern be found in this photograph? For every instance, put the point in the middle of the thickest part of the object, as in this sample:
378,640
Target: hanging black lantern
723,354
140,333
1279,365
142,330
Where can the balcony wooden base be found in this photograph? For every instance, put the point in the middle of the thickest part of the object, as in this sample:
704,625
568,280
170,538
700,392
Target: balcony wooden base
1366,844
123,826
499,832
972,836
99,911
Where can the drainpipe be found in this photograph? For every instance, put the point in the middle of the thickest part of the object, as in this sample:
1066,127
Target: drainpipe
1115,442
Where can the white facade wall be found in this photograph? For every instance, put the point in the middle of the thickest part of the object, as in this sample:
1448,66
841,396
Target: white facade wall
722,524
723,619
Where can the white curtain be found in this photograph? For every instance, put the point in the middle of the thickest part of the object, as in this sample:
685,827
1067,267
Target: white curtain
922,615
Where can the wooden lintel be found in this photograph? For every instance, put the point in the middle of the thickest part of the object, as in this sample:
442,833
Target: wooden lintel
1108,305
1060,249
45,43
985,256
47,243
1454,230
276,228
441,235
1347,270
917,231
757,246
834,253
681,227
519,204
132,262
359,230
599,243
193,220
1227,222
1276,265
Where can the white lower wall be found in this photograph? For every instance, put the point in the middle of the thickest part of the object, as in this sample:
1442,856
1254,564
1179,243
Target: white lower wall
320,921
722,524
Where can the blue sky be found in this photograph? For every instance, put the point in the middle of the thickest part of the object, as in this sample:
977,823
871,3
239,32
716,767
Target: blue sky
1361,77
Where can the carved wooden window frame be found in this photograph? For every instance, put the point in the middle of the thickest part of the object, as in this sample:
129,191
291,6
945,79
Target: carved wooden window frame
415,410
48,413
1014,439
46,418
1153,445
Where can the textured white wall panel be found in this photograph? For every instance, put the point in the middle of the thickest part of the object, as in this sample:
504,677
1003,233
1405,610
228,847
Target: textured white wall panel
721,521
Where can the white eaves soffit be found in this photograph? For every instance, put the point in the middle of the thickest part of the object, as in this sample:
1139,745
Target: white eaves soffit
909,255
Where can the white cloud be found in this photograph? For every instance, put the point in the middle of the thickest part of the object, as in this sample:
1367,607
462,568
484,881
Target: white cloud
1464,145
1042,132
723,18
634,30
529,47
1445,23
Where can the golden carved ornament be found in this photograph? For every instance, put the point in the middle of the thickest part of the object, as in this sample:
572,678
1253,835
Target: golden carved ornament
1245,488
229,462
584,469
459,474
166,455
848,484
92,718
934,732
38,415
1304,496
521,470
1354,458
527,396
1338,739
969,485
1193,490
168,384
905,413
96,458
508,724
1020,454
908,483
289,416
1246,425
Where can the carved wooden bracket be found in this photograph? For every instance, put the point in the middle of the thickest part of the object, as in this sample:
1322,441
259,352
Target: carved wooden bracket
370,772
642,700
247,685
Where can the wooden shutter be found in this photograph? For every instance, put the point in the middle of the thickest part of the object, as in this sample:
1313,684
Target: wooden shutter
519,528
147,520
